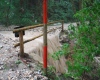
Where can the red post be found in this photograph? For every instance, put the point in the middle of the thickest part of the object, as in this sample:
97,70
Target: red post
45,36
45,11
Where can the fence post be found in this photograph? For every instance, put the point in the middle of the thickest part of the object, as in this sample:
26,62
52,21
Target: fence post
21,44
62,25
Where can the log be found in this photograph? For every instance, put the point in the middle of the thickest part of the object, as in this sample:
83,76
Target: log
35,37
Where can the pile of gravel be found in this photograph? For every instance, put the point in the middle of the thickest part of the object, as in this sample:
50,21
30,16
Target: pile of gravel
12,67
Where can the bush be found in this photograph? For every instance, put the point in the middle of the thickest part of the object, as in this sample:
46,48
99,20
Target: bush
87,42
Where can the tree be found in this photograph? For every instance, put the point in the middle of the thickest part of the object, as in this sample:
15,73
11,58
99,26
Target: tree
87,42
61,10
26,12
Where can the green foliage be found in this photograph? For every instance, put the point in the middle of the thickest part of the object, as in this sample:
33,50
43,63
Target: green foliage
90,14
87,41
61,52
29,12
61,10
15,13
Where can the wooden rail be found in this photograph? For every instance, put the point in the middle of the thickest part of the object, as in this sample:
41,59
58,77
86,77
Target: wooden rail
35,37
20,30
35,26
27,27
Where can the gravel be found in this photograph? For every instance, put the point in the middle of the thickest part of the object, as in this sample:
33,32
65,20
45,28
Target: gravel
12,67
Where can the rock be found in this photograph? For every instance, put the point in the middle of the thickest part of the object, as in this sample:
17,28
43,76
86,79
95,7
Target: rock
39,72
63,36
97,61
1,46
1,67
1,63
35,78
36,73
5,41
22,66
31,79
24,79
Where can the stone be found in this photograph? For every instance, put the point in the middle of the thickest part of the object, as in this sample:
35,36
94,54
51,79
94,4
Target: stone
31,79
35,78
1,46
97,61
1,67
22,66
5,42
1,62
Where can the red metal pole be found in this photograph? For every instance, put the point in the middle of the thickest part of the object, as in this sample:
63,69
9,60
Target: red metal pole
45,36
45,11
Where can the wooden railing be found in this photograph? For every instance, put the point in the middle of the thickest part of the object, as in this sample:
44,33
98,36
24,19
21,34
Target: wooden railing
35,26
20,31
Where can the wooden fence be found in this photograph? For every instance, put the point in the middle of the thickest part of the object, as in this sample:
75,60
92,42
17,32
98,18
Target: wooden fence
20,31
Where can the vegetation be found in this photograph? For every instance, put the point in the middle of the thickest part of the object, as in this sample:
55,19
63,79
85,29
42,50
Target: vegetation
28,12
86,43
64,51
